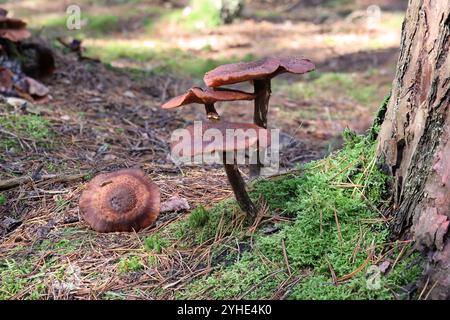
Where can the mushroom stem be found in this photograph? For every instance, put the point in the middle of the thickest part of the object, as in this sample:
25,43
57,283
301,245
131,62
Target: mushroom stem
238,185
211,112
262,93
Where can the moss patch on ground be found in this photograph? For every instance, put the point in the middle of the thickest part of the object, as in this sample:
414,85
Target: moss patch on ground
27,127
332,233
320,236
30,270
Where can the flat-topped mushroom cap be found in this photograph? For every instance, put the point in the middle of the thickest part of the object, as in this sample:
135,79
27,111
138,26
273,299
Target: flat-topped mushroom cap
261,69
234,137
13,29
207,96
124,200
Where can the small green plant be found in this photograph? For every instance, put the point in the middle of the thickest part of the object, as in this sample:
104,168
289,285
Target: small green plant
63,246
2,199
152,261
154,243
95,25
198,217
331,218
12,277
29,126
131,264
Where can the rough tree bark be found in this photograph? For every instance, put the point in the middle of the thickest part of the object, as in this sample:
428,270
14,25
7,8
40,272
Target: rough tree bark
414,139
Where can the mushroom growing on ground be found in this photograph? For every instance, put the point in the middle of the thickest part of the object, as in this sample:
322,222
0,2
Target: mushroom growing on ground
227,149
207,97
124,200
260,72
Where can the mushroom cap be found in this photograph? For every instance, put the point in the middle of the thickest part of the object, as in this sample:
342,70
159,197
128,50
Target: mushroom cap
124,200
13,29
243,139
207,96
261,69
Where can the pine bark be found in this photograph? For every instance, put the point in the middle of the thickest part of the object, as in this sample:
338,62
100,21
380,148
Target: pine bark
414,139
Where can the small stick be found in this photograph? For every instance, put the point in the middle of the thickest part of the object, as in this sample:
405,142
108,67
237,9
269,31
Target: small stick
286,258
12,183
338,225
333,274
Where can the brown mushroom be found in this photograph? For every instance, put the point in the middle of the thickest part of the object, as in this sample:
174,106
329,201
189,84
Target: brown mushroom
124,200
226,149
12,29
260,72
207,97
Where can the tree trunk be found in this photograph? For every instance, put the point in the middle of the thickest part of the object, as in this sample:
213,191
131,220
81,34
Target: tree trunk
414,139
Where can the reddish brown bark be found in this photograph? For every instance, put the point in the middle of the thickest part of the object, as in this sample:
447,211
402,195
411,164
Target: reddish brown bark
414,139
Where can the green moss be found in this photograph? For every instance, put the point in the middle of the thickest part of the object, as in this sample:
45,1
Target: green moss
130,264
2,199
154,243
34,126
152,261
62,247
25,126
332,203
15,277
379,118
12,277
198,217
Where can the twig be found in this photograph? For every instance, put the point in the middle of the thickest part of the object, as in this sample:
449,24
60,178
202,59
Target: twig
12,183
273,273
424,288
398,257
431,289
286,258
338,226
333,274
362,266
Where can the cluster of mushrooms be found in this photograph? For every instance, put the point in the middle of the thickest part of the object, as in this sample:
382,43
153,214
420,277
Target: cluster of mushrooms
127,200
21,64
260,74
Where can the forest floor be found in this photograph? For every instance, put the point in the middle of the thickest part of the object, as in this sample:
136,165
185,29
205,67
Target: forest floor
106,116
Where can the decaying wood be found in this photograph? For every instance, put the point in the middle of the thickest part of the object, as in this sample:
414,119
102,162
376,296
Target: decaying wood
15,182
414,139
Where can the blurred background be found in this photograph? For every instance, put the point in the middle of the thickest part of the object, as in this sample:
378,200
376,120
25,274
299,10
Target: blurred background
354,44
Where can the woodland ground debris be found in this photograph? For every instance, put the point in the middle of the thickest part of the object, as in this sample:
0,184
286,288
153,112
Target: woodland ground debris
94,127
